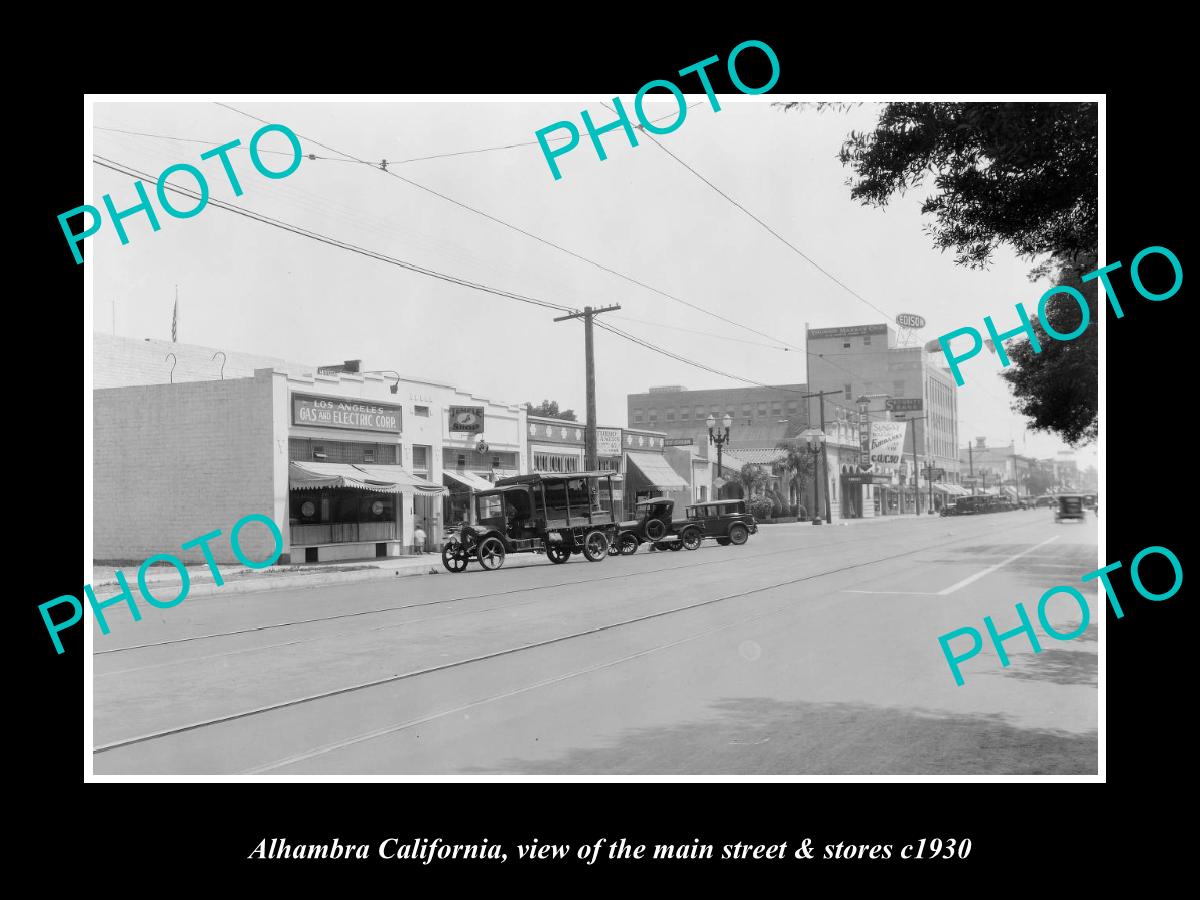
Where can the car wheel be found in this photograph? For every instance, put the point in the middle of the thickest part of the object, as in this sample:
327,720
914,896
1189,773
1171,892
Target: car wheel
692,539
628,544
655,529
660,545
595,546
491,553
676,545
454,557
738,534
723,542
558,554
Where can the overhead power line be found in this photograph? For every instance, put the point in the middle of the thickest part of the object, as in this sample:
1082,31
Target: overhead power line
768,228
392,162
531,235
131,172
325,239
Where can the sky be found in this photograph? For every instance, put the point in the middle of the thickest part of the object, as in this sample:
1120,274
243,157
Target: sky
254,288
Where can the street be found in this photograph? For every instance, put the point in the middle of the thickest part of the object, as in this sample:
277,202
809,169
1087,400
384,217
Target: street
810,650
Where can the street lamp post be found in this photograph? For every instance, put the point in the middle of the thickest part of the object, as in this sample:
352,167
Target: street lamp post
719,439
816,446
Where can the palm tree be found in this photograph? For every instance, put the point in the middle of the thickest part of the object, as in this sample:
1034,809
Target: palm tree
798,463
751,478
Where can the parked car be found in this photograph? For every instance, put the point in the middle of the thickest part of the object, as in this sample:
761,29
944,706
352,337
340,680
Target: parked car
725,521
656,525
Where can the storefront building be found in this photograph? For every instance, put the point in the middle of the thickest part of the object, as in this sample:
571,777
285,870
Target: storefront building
348,464
556,446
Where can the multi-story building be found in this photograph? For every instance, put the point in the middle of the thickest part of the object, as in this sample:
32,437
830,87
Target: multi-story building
761,416
898,383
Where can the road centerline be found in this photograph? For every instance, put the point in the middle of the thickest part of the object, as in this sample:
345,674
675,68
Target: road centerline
971,579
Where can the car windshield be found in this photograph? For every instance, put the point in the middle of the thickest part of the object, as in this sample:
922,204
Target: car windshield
489,506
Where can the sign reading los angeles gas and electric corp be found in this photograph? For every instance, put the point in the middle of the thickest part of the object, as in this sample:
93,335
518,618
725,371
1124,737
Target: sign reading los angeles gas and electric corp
334,412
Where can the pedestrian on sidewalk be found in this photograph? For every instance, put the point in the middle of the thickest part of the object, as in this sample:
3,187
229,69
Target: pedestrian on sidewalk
419,538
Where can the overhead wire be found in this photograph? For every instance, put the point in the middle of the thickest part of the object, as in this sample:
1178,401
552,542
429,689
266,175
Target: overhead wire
344,245
767,227
533,236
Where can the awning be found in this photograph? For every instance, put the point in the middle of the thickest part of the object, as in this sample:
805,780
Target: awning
469,479
385,479
657,471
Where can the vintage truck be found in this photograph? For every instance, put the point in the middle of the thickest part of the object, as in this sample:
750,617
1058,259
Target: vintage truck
558,515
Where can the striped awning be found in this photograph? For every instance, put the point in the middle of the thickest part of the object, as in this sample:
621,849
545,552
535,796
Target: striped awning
468,480
656,471
385,479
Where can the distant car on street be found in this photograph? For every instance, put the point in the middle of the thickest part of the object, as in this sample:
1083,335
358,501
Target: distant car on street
1070,506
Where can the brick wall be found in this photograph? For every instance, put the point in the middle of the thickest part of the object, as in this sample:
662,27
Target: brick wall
175,461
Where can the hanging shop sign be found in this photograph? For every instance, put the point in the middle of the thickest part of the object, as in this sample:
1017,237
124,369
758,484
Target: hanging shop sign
887,442
466,419
904,404
337,412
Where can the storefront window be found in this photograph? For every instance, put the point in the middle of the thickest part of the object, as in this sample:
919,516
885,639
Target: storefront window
342,451
555,462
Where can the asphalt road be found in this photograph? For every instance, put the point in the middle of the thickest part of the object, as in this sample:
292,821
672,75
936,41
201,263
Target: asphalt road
810,650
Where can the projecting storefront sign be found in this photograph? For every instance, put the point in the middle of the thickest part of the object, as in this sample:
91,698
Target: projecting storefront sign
887,442
608,441
898,404
355,415
466,419
867,478
679,442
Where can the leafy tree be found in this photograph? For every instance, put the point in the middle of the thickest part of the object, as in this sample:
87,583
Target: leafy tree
1057,389
549,409
798,463
1022,174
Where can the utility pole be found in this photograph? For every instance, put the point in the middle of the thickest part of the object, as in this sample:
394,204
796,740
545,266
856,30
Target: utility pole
590,462
824,462
916,471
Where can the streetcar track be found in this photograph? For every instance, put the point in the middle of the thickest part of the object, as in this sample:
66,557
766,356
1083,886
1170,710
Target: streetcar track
386,609
558,679
441,667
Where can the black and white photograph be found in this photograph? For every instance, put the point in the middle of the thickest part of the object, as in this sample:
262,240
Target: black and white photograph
697,433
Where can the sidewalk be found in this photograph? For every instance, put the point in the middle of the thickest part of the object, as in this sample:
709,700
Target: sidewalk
164,580
907,517
238,578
